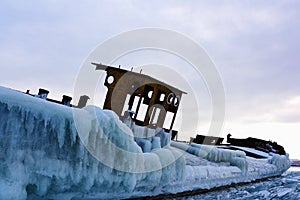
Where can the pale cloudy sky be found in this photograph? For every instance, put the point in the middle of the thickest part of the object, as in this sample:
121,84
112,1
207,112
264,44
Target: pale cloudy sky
254,45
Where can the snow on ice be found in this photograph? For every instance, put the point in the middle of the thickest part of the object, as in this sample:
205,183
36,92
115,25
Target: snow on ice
54,151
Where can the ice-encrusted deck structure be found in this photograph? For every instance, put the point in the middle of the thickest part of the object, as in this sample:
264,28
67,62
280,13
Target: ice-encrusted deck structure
156,97
42,155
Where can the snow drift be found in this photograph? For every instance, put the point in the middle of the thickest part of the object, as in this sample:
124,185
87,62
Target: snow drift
53,151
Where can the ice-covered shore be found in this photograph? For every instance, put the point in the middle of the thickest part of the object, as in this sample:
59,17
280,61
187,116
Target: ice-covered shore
43,154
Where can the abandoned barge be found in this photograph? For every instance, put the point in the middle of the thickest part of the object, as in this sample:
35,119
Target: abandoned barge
80,159
129,92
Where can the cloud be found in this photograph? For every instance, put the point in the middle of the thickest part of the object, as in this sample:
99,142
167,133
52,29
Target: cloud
255,45
265,109
288,112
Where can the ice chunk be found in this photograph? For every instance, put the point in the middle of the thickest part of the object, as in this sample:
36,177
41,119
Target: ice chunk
156,143
165,138
145,144
280,161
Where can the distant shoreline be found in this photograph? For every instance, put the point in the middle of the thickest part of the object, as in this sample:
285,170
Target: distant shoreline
295,163
294,169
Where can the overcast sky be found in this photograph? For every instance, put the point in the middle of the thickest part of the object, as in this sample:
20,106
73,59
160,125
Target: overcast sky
255,46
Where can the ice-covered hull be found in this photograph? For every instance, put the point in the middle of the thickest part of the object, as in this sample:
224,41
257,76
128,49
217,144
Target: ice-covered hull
42,155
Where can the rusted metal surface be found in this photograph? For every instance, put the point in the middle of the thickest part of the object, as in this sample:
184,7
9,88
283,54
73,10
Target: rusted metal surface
259,144
66,100
208,140
142,90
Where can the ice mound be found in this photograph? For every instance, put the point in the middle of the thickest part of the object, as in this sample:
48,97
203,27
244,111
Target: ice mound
213,154
280,161
43,154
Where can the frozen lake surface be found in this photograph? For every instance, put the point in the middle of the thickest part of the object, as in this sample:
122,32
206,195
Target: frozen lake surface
285,187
